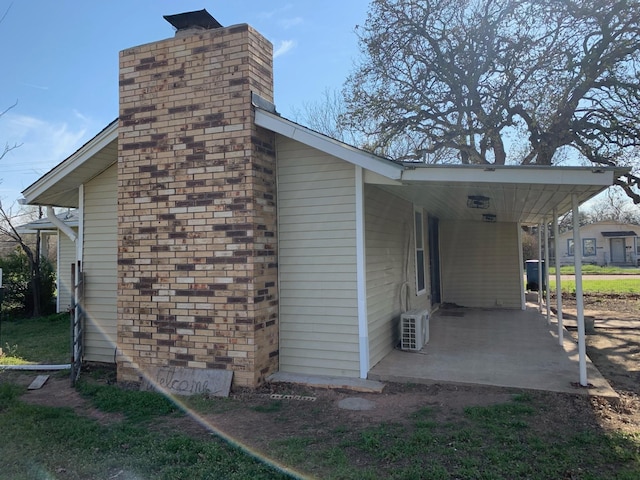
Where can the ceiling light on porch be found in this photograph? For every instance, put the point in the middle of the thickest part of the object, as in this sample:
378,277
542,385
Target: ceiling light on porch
489,217
477,201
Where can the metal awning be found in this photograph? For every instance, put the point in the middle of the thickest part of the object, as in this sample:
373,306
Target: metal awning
629,233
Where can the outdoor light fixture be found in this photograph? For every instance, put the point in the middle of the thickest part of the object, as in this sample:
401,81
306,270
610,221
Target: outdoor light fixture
489,217
478,201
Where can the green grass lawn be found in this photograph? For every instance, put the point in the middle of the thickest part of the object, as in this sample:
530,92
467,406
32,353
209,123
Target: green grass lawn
534,435
35,340
40,442
618,286
516,439
494,442
596,270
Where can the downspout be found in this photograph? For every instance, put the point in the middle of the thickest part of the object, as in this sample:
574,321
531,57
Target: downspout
60,225
363,325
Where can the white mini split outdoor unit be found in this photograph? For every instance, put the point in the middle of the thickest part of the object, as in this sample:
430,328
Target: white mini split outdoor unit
414,329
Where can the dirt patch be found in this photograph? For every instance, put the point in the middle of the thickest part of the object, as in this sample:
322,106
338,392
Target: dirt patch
279,419
57,392
614,347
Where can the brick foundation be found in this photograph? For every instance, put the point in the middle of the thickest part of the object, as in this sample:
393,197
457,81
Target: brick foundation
197,265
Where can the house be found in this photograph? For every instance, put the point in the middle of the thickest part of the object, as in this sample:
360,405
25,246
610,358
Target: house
604,243
216,234
65,252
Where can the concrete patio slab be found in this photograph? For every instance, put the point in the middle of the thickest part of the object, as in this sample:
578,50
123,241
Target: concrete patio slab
507,348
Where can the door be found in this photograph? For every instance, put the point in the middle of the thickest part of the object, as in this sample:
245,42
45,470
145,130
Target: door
618,250
434,259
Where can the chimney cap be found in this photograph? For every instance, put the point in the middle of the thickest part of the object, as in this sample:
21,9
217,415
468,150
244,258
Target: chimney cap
197,19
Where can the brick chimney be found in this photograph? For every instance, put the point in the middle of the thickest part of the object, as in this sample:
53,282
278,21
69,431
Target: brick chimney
197,266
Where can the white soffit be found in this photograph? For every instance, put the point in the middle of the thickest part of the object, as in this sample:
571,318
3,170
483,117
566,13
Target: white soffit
543,175
328,145
59,186
523,194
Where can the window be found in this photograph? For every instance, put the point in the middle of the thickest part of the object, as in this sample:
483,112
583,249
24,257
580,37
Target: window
589,247
421,286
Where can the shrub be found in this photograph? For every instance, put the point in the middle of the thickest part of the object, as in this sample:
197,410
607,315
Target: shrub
18,289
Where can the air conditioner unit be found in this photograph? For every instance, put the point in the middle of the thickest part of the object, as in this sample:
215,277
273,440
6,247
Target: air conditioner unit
414,329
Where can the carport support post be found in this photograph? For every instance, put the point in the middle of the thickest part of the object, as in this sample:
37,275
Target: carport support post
540,267
546,270
577,259
556,243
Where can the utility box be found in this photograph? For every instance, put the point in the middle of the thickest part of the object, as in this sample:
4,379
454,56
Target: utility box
535,275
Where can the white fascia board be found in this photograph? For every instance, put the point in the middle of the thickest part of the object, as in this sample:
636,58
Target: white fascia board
68,165
515,175
328,145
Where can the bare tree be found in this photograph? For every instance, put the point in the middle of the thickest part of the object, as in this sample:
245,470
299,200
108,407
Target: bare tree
32,251
565,222
8,147
468,79
328,115
8,229
614,206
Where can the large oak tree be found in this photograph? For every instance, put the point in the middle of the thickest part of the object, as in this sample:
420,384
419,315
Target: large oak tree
501,81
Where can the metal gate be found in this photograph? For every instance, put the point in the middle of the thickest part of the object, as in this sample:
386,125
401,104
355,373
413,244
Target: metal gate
77,320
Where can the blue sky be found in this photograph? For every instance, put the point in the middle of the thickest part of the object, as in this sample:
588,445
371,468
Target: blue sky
60,63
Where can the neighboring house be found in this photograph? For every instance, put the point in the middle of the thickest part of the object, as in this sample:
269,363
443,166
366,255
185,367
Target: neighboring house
65,253
216,234
604,243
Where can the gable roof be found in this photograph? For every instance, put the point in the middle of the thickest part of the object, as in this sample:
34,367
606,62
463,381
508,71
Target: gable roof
380,165
59,186
523,194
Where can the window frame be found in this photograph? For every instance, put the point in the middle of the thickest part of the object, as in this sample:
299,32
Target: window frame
595,247
570,247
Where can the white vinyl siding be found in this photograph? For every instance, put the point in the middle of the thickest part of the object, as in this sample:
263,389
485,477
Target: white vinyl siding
389,234
100,266
480,264
317,262
66,257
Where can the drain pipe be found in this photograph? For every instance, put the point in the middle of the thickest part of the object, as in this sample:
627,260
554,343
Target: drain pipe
63,227
36,367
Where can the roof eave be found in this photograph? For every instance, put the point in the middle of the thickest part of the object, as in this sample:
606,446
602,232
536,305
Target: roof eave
544,175
328,145
71,163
